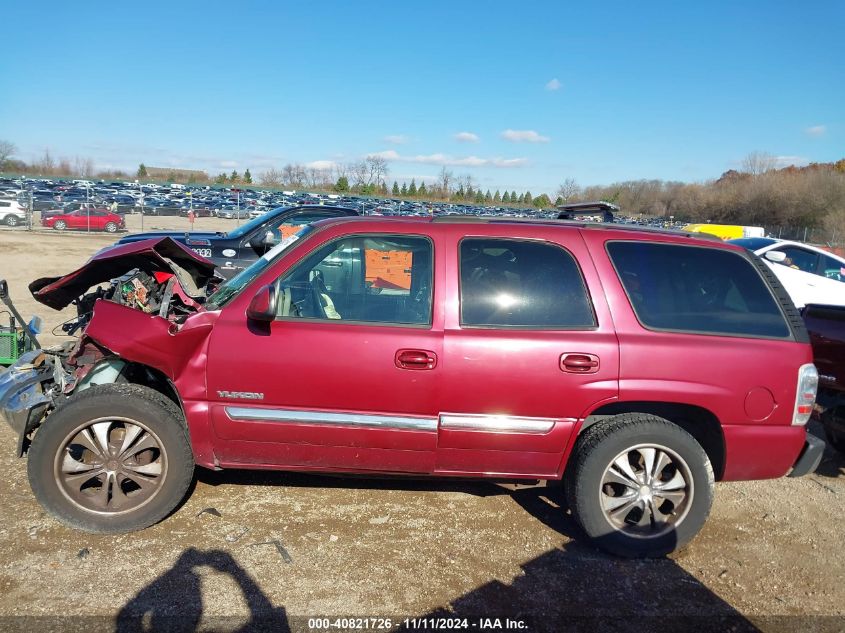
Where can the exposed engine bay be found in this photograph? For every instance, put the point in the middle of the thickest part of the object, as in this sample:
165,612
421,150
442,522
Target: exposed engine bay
159,280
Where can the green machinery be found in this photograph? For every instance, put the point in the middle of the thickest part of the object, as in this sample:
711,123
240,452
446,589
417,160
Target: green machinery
17,337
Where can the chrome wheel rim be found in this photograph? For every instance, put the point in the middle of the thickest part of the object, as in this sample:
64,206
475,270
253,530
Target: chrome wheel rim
646,491
110,465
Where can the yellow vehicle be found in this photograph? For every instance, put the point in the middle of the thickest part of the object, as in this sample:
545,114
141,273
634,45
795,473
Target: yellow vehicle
726,231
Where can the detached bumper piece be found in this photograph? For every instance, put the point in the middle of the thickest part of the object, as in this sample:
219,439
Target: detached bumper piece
810,457
22,400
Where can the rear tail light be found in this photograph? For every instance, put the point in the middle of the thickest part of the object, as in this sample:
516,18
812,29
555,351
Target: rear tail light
805,397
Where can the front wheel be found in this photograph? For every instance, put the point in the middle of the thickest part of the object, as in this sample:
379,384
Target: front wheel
110,227
60,225
11,220
114,458
639,485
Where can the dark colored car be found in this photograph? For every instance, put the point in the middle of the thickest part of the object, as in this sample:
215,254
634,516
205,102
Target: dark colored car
638,366
826,325
233,251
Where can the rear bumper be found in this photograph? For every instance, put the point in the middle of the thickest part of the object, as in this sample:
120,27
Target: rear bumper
809,458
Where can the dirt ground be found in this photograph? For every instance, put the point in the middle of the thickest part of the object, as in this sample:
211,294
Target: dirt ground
286,547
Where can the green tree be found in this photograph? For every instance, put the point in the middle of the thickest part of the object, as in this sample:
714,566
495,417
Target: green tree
404,189
469,194
527,200
488,198
247,177
412,190
234,177
395,189
422,191
342,184
460,193
383,188
558,201
521,198
506,199
542,201
220,179
497,197
479,197
513,197
142,171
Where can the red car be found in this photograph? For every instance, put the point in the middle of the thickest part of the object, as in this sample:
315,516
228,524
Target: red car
639,366
85,219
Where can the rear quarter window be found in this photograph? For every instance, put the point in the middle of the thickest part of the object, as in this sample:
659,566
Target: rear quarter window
696,289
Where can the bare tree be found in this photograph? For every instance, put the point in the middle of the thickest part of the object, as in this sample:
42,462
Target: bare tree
360,171
377,170
271,178
757,163
568,189
341,170
445,179
7,150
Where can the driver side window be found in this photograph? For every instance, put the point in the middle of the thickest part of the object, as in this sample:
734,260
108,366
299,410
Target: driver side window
384,279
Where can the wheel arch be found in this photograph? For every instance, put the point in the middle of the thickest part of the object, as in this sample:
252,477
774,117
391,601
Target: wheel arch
699,422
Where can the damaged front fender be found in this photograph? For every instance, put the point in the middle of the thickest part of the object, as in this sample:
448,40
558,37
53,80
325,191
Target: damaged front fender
25,393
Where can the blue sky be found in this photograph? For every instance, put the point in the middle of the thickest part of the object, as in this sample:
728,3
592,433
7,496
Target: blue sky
520,95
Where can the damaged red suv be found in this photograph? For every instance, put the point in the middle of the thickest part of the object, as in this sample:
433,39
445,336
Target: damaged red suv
639,366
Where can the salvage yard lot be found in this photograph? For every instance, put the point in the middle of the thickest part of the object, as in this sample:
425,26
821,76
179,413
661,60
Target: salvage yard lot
286,546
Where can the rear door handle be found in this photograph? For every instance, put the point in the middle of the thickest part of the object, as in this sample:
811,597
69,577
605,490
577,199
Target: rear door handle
415,359
578,363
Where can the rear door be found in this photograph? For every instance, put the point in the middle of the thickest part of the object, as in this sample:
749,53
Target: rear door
345,377
530,348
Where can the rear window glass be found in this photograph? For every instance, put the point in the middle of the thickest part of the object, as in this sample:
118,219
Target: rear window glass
695,289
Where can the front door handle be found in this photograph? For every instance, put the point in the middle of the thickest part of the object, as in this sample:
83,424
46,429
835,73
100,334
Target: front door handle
415,359
577,363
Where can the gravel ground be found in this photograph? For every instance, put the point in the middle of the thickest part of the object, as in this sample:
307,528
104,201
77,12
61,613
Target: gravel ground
286,547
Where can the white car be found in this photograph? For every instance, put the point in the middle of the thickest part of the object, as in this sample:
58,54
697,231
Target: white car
12,213
809,274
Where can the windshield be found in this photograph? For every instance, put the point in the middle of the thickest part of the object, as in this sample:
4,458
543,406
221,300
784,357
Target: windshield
231,288
252,224
752,243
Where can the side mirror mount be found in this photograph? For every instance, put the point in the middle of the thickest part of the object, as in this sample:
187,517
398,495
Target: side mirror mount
775,256
263,305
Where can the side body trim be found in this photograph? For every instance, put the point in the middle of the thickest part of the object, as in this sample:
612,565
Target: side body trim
339,419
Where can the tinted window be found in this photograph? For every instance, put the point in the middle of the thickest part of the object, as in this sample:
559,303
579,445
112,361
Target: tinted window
799,258
509,283
752,243
377,279
696,289
833,268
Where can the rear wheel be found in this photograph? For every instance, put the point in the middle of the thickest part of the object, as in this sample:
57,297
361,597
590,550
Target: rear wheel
110,227
639,486
11,220
114,458
60,225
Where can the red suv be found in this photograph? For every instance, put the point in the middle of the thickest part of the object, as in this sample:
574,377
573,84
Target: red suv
639,366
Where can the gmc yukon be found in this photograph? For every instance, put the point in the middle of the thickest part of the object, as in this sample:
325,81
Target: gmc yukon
638,366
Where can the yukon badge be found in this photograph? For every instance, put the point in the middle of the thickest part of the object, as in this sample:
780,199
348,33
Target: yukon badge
244,395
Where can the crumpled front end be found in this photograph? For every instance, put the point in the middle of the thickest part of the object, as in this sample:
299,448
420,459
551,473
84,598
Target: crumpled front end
27,389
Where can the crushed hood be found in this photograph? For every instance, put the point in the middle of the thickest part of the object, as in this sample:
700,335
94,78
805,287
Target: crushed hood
152,255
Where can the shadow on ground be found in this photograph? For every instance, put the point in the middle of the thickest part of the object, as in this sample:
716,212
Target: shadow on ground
575,587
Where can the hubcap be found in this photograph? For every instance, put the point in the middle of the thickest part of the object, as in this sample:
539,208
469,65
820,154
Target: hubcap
646,491
110,465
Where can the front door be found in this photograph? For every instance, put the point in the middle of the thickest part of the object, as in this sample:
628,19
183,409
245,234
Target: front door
345,377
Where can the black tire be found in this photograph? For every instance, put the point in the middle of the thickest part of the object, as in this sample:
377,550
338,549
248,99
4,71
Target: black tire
161,419
60,225
11,220
110,227
588,488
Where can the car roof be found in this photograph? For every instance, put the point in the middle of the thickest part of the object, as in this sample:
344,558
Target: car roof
636,232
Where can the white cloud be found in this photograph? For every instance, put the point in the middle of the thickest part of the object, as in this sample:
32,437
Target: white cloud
446,160
554,84
786,161
225,163
466,137
524,136
321,164
816,131
396,139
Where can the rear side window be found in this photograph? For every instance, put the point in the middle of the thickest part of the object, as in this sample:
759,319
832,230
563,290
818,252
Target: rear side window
695,289
833,268
512,283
